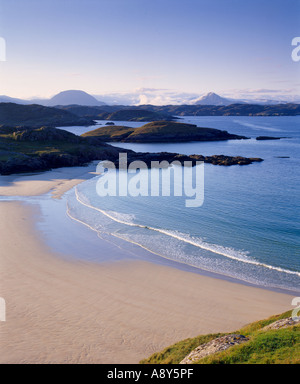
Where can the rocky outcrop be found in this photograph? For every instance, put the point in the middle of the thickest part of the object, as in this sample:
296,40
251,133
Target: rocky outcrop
217,345
222,343
170,157
268,138
282,323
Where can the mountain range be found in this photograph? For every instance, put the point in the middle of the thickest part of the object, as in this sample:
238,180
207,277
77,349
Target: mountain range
70,97
78,97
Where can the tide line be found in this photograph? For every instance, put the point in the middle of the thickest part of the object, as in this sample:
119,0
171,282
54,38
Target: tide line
201,245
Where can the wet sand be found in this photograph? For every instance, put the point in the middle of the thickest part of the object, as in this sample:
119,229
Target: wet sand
64,311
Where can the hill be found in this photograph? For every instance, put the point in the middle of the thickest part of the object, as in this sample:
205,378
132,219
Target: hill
136,114
161,131
288,109
213,99
7,99
73,97
117,113
271,341
36,115
28,149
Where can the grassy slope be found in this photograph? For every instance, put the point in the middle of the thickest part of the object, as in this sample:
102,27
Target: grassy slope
48,148
37,115
264,347
156,131
110,132
34,148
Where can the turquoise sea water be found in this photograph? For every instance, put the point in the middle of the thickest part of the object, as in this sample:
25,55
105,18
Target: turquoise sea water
248,226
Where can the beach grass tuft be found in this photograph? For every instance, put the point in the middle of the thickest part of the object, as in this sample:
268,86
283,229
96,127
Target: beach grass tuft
275,346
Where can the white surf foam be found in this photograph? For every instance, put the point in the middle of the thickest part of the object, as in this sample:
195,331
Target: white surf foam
227,252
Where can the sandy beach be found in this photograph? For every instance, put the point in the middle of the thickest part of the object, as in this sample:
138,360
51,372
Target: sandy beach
62,311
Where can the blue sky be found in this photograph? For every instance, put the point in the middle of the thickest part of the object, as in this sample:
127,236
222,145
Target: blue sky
157,47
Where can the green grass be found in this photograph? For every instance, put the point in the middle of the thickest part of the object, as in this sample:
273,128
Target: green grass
110,132
280,346
45,148
270,347
158,130
36,148
175,353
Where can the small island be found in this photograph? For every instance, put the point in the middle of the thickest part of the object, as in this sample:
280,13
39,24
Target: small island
268,138
161,132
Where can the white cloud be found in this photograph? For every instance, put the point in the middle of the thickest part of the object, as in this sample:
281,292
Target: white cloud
149,96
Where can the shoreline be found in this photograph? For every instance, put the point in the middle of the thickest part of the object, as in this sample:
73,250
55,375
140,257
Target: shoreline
53,184
146,254
71,311
57,181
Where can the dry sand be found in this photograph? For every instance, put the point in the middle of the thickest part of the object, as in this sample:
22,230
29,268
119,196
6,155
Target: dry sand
60,311
58,181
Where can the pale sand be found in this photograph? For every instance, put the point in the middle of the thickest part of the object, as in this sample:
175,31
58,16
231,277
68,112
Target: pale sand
78,312
58,181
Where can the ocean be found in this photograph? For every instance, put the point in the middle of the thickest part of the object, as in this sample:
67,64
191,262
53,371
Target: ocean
248,225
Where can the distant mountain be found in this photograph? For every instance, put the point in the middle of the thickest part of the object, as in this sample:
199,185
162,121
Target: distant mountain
117,113
213,99
74,97
288,109
62,98
7,99
136,114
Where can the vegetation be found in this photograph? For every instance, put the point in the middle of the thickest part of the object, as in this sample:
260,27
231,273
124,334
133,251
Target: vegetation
136,114
288,109
32,149
37,115
170,112
161,131
110,133
28,149
276,346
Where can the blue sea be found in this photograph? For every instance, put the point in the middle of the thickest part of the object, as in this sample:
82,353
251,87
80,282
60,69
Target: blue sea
248,225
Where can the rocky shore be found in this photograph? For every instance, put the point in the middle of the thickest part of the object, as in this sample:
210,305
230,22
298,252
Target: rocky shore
30,149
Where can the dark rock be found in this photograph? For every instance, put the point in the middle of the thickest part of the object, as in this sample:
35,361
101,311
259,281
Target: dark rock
268,138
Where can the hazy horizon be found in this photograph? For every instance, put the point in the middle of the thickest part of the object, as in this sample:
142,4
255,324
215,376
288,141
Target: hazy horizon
158,52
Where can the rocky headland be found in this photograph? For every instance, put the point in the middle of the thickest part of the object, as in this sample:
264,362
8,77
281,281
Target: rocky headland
28,149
